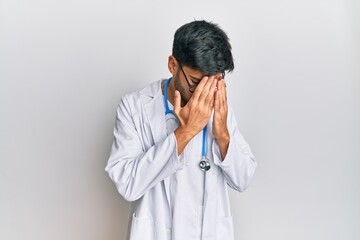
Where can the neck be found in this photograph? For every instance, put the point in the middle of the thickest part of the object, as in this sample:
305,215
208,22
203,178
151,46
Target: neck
170,91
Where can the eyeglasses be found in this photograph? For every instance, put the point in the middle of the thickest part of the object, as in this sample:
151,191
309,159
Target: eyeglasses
193,86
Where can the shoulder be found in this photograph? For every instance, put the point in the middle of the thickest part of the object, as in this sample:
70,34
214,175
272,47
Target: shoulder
151,90
135,102
144,94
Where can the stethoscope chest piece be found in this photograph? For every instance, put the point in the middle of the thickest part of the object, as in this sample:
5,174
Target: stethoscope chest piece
204,164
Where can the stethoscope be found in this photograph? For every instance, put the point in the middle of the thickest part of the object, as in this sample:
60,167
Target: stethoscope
204,162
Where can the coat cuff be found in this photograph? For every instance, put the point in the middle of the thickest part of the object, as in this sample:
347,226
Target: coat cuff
217,154
178,161
226,163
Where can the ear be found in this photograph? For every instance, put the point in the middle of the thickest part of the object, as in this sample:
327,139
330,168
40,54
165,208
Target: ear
172,65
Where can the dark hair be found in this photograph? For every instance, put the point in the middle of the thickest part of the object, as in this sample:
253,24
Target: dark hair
204,46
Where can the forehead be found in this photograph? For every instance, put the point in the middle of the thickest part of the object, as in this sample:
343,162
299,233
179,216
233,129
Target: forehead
196,73
193,71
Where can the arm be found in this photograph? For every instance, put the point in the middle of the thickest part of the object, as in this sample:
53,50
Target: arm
196,113
132,168
239,164
231,153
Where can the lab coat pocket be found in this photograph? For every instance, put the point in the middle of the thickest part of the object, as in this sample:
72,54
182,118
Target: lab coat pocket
142,228
225,228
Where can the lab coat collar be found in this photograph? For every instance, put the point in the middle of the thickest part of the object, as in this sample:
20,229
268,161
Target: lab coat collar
152,90
152,98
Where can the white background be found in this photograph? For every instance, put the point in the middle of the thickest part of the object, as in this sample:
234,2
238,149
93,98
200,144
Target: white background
64,66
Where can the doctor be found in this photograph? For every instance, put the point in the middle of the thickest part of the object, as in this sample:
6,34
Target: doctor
177,146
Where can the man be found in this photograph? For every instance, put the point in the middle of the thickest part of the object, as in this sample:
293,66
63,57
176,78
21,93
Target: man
176,162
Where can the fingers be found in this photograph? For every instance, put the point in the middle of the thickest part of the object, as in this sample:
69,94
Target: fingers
223,92
177,102
220,95
204,92
210,98
217,100
200,87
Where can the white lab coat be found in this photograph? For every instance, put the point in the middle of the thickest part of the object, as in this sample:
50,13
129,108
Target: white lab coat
143,157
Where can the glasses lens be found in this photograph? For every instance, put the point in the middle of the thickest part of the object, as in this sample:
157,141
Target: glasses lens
191,87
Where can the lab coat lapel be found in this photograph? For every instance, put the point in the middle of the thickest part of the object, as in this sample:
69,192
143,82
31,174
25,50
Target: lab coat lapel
155,110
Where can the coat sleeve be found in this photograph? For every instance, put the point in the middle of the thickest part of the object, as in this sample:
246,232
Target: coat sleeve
239,164
134,169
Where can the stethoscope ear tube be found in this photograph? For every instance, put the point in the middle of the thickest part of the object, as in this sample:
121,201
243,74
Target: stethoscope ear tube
204,163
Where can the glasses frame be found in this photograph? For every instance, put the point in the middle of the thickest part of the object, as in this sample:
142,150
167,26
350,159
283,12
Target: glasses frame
193,86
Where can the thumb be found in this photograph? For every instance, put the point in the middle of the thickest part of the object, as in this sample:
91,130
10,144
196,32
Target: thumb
177,102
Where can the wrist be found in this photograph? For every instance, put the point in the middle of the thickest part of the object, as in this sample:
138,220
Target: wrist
224,138
223,142
183,135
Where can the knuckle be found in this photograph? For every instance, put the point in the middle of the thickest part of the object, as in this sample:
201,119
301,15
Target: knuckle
203,93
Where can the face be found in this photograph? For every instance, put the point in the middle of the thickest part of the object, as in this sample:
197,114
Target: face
187,79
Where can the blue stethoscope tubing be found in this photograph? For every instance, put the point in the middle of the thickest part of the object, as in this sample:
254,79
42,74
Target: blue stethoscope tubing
204,163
